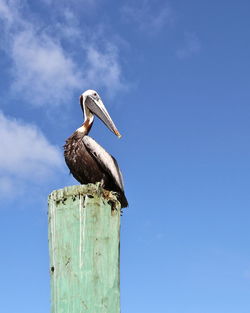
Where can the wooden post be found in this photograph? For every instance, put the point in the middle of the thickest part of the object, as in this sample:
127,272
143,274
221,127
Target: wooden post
84,240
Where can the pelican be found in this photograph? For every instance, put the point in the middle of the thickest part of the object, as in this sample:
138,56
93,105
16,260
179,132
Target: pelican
87,160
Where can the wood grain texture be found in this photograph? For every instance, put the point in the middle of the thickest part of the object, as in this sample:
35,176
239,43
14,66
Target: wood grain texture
84,239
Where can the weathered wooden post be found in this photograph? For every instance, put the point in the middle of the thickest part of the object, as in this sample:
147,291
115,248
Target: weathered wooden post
84,239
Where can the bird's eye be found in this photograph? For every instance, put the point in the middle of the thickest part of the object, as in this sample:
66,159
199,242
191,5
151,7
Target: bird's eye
95,94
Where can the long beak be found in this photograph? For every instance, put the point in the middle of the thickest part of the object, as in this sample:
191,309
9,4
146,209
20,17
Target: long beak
97,107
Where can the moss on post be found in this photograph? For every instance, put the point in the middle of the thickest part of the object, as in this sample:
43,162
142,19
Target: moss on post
84,239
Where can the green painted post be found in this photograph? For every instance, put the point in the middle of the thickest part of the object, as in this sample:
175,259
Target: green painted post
84,240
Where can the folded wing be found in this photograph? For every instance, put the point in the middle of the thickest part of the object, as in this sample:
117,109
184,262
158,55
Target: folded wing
105,160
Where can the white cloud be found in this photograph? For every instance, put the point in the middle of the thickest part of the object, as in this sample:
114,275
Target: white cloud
191,46
148,16
25,154
44,71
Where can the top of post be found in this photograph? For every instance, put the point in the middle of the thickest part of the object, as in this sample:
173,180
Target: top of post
92,190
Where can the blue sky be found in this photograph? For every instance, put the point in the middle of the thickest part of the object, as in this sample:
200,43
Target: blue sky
174,76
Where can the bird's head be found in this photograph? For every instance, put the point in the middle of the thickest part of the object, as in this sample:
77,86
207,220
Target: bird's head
92,104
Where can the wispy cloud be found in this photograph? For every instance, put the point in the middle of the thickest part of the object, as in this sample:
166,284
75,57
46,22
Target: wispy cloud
148,16
6,13
45,71
42,71
103,69
191,46
25,154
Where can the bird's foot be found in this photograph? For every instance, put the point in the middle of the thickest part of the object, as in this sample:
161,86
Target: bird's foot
111,197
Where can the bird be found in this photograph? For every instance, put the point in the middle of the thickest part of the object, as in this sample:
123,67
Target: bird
88,161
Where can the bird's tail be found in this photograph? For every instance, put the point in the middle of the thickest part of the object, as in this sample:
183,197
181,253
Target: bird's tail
123,200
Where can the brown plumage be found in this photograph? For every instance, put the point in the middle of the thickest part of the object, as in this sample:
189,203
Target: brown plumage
90,163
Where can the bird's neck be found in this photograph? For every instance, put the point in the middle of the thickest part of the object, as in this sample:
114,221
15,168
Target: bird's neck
86,126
